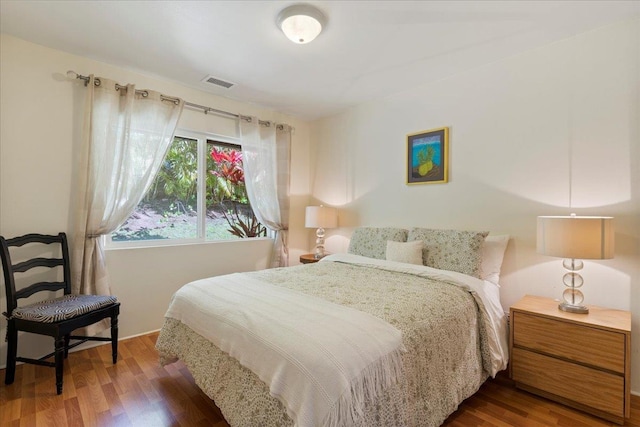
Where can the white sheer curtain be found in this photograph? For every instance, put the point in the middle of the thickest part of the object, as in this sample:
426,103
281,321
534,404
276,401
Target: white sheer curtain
125,138
266,159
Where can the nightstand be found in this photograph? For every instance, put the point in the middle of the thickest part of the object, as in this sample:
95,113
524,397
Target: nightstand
308,259
580,360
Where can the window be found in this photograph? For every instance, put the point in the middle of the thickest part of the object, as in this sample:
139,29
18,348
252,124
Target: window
198,194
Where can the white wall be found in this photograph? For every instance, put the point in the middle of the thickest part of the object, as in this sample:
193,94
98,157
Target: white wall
524,133
41,121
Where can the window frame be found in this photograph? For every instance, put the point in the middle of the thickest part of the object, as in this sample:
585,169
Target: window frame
202,138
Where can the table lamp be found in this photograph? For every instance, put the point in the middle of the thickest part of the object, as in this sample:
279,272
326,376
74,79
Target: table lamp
575,238
320,217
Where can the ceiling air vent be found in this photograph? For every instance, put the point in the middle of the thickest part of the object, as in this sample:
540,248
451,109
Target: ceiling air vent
218,82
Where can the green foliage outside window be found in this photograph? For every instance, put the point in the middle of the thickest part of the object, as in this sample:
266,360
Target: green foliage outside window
169,209
177,178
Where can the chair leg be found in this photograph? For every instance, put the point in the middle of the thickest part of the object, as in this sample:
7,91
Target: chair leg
67,340
12,351
59,343
114,338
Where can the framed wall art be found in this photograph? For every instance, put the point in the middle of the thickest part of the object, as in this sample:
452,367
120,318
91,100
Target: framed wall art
428,156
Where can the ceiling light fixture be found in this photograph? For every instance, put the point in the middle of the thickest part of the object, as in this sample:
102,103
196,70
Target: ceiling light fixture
301,23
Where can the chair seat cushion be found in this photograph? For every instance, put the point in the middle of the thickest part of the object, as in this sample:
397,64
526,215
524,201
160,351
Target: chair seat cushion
62,308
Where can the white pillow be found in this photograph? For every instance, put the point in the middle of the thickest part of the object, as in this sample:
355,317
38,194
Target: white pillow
492,255
407,252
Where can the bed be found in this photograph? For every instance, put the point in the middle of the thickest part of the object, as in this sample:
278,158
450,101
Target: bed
446,331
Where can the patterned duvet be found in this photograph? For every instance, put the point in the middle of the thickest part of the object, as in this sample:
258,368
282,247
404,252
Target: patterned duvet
446,334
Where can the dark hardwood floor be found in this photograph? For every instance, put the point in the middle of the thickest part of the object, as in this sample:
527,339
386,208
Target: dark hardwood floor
138,392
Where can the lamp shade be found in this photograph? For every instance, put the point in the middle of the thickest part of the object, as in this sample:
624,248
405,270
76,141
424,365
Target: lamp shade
576,237
301,23
320,217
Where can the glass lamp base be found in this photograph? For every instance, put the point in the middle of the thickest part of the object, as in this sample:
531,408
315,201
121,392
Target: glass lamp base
572,296
319,254
580,309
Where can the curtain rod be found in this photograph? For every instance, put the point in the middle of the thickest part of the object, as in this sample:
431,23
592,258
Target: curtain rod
72,74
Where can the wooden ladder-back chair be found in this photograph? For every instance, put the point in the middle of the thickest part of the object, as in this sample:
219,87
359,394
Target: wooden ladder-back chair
57,317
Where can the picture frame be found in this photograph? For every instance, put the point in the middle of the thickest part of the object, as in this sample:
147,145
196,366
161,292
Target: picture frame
428,156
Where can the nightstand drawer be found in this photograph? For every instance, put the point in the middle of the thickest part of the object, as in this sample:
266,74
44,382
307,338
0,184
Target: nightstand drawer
595,389
584,344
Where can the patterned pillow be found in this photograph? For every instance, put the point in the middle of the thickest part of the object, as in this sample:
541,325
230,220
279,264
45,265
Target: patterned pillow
452,250
372,241
408,252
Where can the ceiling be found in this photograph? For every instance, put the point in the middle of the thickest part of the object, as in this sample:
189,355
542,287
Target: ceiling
369,49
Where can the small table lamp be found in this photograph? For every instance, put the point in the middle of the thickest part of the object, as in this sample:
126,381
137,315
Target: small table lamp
575,238
320,217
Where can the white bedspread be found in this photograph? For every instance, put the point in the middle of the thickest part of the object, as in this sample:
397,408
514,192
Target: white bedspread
321,359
